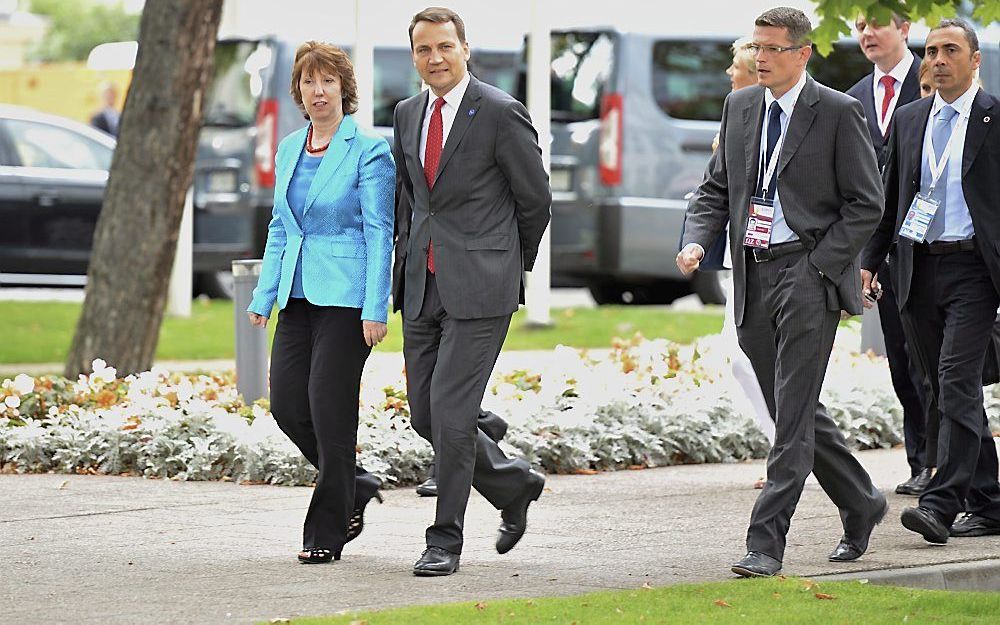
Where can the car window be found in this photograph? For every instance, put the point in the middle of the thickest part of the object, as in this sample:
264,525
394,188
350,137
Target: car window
689,78
582,63
44,145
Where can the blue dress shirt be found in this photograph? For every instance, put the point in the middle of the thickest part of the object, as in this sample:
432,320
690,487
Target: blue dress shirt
298,189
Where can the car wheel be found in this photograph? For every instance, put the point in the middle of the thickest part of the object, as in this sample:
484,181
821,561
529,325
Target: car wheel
217,284
708,286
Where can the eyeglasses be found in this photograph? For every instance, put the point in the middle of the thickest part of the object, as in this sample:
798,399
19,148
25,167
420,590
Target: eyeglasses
755,48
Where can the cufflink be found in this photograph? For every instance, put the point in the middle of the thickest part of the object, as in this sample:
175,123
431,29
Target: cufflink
472,112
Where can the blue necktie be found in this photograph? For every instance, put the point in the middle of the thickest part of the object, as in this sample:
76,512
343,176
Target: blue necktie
773,134
940,136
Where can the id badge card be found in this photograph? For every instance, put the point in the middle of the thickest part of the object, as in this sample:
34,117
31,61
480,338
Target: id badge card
919,217
760,222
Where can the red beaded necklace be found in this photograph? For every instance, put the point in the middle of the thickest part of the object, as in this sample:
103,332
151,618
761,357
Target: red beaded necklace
309,139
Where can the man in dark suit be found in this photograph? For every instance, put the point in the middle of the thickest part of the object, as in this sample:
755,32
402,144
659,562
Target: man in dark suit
473,201
108,117
941,189
894,82
794,158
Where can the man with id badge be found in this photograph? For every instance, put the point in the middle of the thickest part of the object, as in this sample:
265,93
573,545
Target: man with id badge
796,178
942,184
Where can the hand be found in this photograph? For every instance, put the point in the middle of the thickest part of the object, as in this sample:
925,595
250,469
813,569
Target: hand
869,284
689,258
257,320
374,332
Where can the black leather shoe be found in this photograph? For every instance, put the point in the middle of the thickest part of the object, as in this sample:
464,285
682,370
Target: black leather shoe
853,547
429,488
924,522
757,564
917,484
514,518
435,562
974,525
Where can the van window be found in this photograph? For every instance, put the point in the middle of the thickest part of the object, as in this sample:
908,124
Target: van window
582,63
689,78
395,80
237,82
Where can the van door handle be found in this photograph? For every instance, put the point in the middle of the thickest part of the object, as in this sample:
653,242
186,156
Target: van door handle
47,199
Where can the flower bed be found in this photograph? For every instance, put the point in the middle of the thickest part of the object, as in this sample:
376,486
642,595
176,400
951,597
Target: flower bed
644,403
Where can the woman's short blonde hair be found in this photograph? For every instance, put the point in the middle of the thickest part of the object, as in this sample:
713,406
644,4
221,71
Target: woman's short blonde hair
329,59
742,54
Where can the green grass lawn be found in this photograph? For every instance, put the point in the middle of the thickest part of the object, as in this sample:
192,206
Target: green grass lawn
746,602
41,332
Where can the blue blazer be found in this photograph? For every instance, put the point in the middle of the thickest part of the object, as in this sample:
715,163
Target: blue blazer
345,237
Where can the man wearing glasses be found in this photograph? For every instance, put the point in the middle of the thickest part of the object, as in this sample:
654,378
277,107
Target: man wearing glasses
797,160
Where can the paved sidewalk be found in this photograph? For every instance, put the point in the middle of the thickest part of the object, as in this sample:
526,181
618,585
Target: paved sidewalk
80,549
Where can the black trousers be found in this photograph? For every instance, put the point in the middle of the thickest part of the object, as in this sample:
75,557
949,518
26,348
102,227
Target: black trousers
787,332
448,364
317,358
920,422
953,305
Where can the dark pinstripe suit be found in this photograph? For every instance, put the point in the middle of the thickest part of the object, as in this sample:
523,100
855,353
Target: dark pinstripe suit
786,309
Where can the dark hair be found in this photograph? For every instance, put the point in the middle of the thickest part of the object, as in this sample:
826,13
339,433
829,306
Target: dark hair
970,34
438,15
316,55
793,20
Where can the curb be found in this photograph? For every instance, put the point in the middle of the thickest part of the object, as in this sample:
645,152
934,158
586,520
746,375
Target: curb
981,575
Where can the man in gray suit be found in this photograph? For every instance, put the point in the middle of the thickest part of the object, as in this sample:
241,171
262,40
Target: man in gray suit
472,202
795,162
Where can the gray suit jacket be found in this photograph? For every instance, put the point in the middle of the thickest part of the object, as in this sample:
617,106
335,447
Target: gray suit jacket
828,181
486,213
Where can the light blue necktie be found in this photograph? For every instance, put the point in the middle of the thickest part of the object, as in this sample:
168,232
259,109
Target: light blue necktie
940,137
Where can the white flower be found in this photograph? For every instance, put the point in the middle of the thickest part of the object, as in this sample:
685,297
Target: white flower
97,365
24,384
12,401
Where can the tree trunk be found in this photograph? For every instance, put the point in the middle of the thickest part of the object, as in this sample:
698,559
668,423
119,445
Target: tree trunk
136,236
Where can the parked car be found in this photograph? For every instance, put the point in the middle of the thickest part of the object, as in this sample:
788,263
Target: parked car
250,110
52,177
633,119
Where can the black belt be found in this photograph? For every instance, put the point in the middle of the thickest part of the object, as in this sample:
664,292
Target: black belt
946,247
777,251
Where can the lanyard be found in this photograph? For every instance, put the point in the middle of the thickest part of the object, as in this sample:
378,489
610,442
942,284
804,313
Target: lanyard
937,167
773,163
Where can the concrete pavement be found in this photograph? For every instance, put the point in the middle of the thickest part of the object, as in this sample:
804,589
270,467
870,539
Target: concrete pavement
88,549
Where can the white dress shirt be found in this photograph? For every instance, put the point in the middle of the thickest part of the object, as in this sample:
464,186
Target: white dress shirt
780,232
899,74
957,220
452,100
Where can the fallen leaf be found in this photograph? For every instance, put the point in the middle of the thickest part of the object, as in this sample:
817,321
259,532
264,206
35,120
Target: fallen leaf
284,620
352,622
721,603
618,610
777,595
585,472
481,606
64,484
529,602
647,586
809,584
636,467
823,595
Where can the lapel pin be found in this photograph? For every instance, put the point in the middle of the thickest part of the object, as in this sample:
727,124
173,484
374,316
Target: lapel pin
472,112
986,119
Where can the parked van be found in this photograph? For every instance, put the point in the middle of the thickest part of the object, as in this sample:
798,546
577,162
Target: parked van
633,120
249,111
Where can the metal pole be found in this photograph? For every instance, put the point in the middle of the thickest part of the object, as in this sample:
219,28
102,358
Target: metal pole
181,274
539,288
251,341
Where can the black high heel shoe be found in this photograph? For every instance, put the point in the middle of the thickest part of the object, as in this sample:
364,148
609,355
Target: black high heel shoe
357,521
318,556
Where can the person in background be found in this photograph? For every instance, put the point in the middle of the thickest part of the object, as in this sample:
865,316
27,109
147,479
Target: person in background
926,80
108,118
327,264
893,83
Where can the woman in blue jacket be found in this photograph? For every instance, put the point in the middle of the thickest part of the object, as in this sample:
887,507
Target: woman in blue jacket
327,264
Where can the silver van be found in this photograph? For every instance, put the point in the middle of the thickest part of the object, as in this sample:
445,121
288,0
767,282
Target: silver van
633,120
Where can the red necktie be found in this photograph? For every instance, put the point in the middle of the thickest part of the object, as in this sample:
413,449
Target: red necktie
432,157
888,84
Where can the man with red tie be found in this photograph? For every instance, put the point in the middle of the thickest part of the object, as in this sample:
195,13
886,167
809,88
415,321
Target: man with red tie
472,203
894,82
